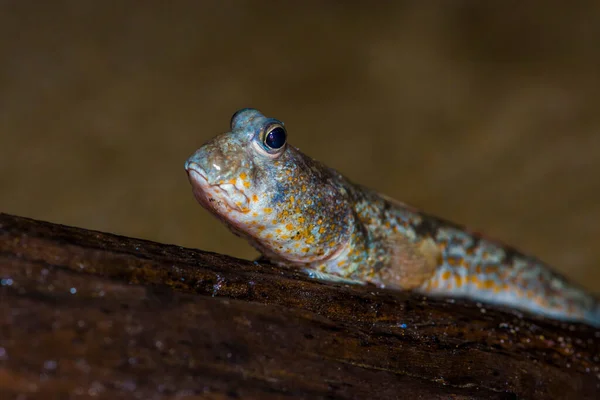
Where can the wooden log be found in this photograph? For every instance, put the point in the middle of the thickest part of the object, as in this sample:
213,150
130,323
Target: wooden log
84,313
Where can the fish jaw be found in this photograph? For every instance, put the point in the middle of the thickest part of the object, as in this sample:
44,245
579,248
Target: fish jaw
220,197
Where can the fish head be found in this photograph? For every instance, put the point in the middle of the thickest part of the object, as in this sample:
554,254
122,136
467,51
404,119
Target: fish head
293,209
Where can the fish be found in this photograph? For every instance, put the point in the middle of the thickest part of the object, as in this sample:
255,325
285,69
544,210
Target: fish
299,213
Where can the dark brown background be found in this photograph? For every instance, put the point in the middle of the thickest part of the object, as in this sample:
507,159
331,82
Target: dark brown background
484,114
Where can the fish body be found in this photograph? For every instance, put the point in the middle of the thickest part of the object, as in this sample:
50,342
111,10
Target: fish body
299,213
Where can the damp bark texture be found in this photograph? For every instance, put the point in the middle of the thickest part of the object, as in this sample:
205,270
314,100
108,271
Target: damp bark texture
84,313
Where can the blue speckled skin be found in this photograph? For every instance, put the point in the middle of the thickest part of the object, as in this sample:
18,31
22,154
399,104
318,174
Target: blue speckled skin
299,213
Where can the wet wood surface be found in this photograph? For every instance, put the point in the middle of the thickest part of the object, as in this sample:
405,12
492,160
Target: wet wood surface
90,314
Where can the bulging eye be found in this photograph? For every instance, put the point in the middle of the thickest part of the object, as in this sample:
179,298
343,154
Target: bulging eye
275,138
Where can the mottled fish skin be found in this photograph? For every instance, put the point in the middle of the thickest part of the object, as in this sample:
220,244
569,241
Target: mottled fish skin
299,213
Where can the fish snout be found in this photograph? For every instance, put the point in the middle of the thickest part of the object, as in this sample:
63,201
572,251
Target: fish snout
209,164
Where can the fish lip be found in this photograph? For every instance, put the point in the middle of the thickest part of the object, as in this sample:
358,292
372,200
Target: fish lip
192,167
200,183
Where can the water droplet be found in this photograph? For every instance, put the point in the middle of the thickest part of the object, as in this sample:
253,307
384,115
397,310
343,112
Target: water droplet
6,281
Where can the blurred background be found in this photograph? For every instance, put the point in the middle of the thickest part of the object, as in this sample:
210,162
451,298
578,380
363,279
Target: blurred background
485,113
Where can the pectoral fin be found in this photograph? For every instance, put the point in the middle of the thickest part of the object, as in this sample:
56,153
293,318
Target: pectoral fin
411,264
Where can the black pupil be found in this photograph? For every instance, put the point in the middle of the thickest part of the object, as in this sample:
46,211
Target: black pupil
276,138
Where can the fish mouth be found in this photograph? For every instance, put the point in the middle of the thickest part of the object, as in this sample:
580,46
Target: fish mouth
215,195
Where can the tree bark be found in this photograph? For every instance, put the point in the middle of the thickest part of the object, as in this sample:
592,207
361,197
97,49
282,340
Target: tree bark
84,313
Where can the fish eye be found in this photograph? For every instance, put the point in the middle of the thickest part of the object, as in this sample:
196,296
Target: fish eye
275,138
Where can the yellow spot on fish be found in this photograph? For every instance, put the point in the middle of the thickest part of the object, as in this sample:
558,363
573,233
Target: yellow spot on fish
458,281
301,220
232,181
541,301
454,261
491,269
291,199
297,244
306,249
243,176
446,275
310,240
268,210
489,284
278,231
289,227
255,214
319,221
254,198
304,188
246,184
